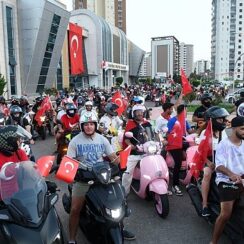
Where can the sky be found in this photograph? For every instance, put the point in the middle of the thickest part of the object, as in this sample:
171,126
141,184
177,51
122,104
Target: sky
188,20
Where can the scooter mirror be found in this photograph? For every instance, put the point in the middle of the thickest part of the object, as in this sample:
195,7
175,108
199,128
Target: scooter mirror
129,134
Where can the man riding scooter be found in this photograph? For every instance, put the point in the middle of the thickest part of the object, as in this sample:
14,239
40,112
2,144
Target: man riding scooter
138,126
230,174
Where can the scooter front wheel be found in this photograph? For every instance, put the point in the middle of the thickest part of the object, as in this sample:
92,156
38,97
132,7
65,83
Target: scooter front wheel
161,204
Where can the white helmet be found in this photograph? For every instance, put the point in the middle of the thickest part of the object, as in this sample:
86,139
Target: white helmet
88,117
138,107
88,103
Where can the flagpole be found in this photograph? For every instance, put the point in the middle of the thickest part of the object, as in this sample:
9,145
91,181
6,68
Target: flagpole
213,158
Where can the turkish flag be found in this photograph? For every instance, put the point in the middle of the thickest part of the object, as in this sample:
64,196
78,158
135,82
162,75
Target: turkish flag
67,169
186,87
45,106
203,151
124,157
75,49
44,164
117,98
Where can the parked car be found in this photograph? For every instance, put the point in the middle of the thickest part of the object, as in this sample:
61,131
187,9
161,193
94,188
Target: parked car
232,97
239,85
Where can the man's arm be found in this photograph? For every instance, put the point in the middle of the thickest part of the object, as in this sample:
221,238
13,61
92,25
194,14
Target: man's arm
234,177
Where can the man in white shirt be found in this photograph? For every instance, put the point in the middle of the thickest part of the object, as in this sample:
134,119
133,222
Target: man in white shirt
229,162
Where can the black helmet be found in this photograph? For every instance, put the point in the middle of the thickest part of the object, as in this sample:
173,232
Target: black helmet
15,109
70,109
215,113
206,96
8,137
110,108
2,99
14,100
39,100
16,112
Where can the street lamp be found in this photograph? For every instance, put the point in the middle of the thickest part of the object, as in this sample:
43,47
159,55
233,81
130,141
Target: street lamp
239,58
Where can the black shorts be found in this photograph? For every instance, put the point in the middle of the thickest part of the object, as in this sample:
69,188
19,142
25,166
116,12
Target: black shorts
229,191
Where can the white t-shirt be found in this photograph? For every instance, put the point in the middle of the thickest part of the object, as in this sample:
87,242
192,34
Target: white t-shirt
214,140
231,157
161,123
112,124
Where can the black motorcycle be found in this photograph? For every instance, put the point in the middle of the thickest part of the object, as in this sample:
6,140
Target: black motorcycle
234,229
27,212
106,207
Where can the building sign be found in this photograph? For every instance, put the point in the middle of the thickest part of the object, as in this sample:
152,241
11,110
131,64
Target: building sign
108,65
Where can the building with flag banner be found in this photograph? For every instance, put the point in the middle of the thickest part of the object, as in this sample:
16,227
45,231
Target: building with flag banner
31,39
104,52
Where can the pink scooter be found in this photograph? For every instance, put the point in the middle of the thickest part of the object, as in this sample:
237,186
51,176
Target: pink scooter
185,174
151,177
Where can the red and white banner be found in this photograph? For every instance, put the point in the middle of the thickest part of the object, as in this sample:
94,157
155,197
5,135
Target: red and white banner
44,164
67,169
117,98
75,49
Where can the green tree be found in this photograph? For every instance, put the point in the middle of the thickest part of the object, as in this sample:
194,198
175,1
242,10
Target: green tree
2,84
119,81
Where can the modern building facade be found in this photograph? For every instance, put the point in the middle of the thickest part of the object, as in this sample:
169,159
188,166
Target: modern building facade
113,11
32,35
201,67
165,56
186,58
105,49
9,47
146,67
227,44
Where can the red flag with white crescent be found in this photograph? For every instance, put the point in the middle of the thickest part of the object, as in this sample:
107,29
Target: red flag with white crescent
67,169
117,98
75,49
44,165
186,87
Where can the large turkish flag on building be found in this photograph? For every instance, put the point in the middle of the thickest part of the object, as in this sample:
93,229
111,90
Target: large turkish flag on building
75,49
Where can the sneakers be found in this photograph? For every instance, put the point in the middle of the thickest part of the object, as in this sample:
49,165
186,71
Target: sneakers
128,235
205,212
177,190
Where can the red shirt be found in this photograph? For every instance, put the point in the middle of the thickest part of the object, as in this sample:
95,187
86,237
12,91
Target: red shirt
69,122
18,156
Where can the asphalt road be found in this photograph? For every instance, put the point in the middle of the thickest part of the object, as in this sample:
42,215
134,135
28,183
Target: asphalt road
181,226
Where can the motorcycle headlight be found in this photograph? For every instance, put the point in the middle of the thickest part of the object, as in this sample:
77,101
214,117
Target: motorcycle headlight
114,213
105,176
42,118
152,149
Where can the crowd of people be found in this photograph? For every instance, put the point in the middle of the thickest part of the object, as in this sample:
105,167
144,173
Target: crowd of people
91,116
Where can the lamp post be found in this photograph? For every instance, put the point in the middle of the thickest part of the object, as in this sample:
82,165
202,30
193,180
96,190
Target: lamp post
239,58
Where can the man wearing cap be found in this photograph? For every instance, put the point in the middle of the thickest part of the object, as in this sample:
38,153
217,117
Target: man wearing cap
229,162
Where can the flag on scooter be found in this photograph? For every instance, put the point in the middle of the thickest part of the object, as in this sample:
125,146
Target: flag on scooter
45,106
67,169
117,98
204,150
186,86
124,157
44,165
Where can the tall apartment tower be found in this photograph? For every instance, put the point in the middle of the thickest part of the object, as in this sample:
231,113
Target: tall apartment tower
202,67
113,11
146,67
165,56
186,58
227,44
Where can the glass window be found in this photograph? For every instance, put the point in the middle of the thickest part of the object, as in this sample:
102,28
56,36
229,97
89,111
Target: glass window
46,62
52,38
44,71
56,19
42,80
47,55
54,29
50,47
